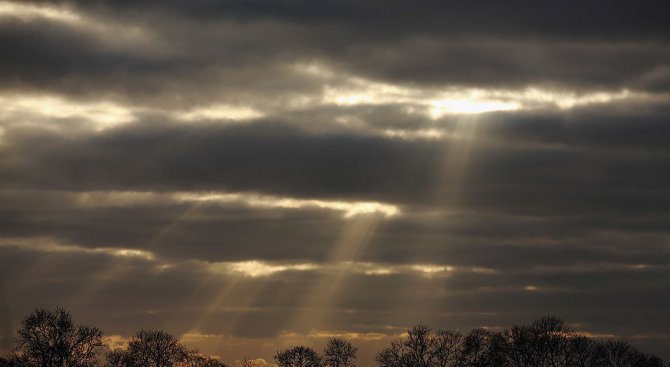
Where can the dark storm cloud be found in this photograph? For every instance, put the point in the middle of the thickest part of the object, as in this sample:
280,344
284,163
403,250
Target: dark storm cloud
50,51
266,157
242,42
60,58
573,18
504,63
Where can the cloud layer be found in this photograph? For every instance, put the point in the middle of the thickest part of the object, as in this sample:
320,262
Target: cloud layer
251,174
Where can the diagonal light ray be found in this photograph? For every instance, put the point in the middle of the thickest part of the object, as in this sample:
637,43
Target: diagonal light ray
350,246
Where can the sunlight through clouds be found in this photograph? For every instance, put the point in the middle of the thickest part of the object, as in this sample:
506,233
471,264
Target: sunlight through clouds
28,12
428,134
344,89
338,269
256,268
568,100
220,111
349,209
46,245
101,115
94,199
454,106
118,35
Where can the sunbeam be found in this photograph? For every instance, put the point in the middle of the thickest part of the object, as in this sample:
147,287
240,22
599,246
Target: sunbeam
349,248
113,269
217,302
453,170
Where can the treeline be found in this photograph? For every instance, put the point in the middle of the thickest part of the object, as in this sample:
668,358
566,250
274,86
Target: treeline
49,338
547,342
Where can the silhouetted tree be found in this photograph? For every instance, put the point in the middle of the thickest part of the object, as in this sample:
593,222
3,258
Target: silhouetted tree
551,339
13,360
652,361
421,348
299,356
583,352
618,353
339,353
156,348
394,356
414,350
195,359
49,338
119,358
549,342
522,350
150,348
483,348
250,363
446,348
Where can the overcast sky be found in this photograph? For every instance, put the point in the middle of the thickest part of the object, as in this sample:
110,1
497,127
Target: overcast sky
254,174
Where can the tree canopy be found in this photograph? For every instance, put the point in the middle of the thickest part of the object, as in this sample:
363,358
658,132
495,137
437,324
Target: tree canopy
49,338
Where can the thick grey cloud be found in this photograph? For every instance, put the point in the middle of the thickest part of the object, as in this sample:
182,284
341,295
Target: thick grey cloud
572,18
189,50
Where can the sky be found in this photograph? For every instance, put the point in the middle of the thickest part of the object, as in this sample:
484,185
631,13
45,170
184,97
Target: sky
252,175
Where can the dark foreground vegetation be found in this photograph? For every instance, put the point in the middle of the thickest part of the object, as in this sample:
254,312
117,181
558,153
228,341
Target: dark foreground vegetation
49,338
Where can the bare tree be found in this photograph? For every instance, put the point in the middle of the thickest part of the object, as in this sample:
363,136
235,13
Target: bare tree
618,353
446,346
119,358
49,338
299,356
522,346
413,351
422,348
652,361
483,348
552,337
547,342
196,359
150,348
393,356
250,363
13,360
339,353
583,352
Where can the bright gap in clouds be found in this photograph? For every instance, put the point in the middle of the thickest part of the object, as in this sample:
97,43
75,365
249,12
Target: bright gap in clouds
116,35
28,12
258,268
255,268
49,246
344,89
245,268
102,115
22,109
27,109
454,106
219,112
349,209
96,199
